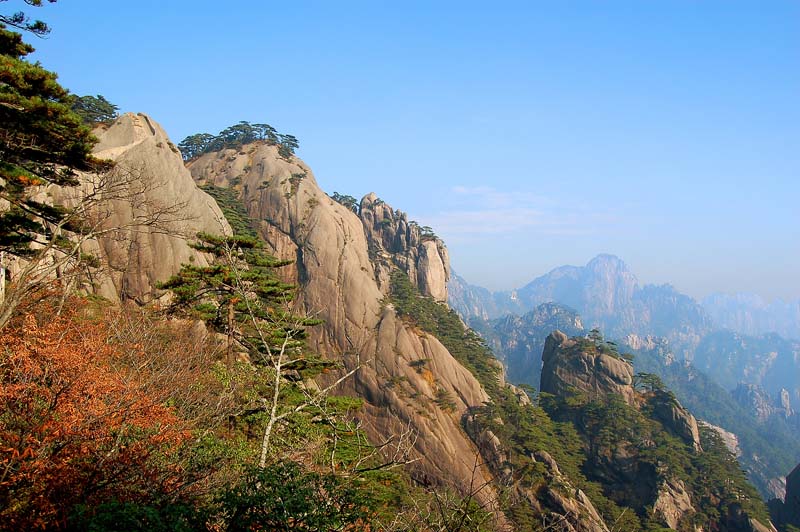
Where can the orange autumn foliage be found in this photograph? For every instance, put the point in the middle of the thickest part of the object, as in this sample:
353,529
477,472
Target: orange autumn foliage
75,427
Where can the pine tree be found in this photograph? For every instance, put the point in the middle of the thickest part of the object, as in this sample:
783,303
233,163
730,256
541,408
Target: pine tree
42,142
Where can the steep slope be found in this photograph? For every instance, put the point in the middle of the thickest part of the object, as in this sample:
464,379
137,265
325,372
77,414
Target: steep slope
343,265
769,361
768,447
786,511
642,445
154,207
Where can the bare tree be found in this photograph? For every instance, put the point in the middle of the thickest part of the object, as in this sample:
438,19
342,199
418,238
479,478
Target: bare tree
62,254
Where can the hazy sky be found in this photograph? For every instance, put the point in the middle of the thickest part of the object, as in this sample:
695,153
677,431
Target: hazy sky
528,135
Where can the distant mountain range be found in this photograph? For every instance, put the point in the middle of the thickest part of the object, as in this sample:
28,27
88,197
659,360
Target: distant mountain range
606,294
750,314
750,373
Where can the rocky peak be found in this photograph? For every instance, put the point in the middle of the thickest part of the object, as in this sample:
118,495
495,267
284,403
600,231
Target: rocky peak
653,344
397,242
677,419
519,340
569,365
155,214
342,265
786,403
578,364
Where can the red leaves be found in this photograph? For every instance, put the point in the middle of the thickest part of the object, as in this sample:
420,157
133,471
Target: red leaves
75,424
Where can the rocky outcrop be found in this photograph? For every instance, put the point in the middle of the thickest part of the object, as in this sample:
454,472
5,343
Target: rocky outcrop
673,502
396,242
519,340
572,509
153,205
730,439
409,382
676,419
755,399
655,345
785,403
568,367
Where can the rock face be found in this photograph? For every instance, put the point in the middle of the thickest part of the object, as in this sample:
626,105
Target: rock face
755,399
729,438
402,370
519,340
567,367
673,502
396,242
140,254
676,418
576,511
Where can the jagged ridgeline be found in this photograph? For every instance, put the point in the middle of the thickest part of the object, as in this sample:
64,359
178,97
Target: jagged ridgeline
417,383
635,456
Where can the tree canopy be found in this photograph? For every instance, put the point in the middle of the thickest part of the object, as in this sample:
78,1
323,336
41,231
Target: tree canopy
94,109
236,136
42,141
21,21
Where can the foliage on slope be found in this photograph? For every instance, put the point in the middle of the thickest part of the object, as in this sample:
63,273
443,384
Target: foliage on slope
585,437
235,137
522,428
775,444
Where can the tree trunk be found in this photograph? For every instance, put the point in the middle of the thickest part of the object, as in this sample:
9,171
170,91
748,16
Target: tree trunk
229,354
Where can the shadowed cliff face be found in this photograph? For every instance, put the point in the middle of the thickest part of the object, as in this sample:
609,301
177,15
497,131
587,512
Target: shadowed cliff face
396,242
342,265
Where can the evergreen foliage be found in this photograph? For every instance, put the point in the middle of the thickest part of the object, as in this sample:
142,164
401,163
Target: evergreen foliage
233,209
42,141
775,444
285,496
348,201
21,21
523,429
94,109
588,437
235,137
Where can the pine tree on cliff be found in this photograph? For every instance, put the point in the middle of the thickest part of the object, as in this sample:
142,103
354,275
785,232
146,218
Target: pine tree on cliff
42,142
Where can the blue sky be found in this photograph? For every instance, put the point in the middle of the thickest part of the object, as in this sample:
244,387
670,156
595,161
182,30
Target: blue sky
527,134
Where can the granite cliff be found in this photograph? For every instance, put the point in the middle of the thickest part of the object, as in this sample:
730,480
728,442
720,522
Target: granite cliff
342,262
623,418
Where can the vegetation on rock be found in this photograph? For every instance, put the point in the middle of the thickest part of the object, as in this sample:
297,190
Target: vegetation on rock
235,137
